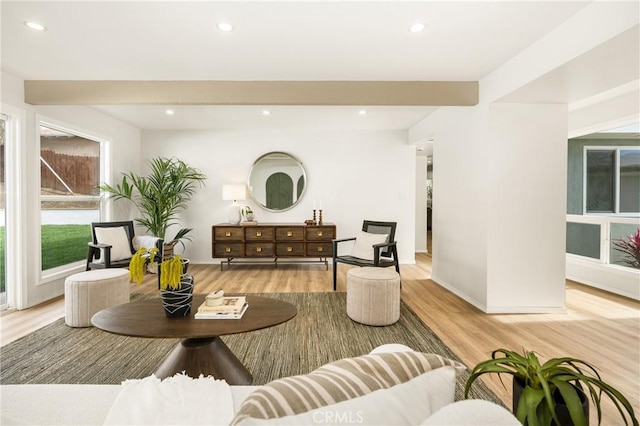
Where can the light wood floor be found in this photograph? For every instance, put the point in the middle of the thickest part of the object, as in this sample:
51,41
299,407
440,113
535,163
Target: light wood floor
598,327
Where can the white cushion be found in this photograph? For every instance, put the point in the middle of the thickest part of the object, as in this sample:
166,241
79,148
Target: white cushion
409,403
117,238
391,347
146,241
472,412
363,247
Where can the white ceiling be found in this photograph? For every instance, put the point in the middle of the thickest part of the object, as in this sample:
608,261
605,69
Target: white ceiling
302,40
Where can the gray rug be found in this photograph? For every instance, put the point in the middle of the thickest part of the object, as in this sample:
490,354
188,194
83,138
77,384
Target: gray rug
320,333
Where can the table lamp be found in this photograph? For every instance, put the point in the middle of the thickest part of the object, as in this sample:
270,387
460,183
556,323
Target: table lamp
235,193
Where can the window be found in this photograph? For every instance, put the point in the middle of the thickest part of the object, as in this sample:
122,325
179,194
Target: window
70,170
612,180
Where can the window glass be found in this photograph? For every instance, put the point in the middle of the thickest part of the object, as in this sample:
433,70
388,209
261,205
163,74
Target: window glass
629,181
69,175
583,239
601,181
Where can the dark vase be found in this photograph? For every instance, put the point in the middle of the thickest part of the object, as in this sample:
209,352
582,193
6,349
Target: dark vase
561,409
177,303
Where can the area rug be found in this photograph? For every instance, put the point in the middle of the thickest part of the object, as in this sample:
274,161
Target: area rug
320,333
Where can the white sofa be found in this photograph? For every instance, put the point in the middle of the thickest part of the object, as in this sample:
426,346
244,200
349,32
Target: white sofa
426,399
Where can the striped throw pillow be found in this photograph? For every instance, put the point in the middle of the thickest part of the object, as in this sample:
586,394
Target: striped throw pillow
338,381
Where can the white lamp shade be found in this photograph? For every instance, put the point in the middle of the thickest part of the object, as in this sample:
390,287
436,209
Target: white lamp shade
234,192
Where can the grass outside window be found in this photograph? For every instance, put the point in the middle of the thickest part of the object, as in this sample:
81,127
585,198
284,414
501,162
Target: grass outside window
61,245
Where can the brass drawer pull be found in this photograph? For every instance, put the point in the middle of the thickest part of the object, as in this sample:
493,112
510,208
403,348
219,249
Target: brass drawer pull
320,248
227,249
289,233
258,234
289,248
227,234
258,249
319,233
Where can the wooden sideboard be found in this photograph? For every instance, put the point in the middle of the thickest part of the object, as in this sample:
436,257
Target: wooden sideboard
273,242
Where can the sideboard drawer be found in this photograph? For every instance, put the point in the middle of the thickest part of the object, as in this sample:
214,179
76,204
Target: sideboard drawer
259,249
258,233
321,233
319,249
228,233
228,249
295,249
291,233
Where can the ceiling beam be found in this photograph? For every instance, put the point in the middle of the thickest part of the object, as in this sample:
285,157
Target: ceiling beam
379,93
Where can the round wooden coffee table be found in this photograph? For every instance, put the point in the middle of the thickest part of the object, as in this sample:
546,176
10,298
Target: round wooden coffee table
200,351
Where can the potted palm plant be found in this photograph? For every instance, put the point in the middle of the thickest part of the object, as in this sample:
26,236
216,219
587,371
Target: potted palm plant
554,392
160,197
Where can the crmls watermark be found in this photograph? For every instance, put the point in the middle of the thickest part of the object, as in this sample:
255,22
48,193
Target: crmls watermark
338,417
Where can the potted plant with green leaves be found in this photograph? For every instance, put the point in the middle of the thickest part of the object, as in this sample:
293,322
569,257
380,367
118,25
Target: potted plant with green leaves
555,392
630,248
160,197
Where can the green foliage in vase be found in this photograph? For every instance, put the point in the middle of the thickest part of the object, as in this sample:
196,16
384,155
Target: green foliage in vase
161,195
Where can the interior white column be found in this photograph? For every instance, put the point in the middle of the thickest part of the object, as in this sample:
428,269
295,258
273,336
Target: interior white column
526,224
500,205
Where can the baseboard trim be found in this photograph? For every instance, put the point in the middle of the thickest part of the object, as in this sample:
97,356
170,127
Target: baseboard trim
500,309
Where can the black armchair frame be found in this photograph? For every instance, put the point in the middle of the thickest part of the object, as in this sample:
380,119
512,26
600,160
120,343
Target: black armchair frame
384,254
96,249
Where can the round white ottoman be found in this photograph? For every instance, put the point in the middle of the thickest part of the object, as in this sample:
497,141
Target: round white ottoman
88,292
373,295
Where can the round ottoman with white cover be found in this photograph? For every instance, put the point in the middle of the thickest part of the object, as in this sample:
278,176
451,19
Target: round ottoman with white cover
373,295
87,293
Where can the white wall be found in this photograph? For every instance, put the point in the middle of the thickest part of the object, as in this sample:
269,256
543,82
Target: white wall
526,224
125,148
356,175
460,201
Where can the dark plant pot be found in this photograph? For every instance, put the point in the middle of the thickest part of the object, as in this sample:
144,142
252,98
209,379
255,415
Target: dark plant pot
177,303
561,409
185,266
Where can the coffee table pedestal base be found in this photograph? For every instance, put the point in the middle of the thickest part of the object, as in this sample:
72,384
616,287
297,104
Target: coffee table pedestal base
205,356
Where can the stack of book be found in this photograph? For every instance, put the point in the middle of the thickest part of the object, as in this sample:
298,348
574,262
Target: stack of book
232,307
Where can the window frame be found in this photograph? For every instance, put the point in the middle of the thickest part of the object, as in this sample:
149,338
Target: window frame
616,149
62,271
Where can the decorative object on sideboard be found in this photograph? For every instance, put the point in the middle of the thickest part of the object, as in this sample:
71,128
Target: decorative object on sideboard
553,392
320,217
248,214
235,193
314,217
277,181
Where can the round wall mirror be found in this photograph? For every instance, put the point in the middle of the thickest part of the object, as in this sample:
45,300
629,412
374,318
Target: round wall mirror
277,181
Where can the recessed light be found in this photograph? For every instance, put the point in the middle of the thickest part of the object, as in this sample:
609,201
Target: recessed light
225,26
35,26
169,112
266,112
417,27
362,112
420,149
